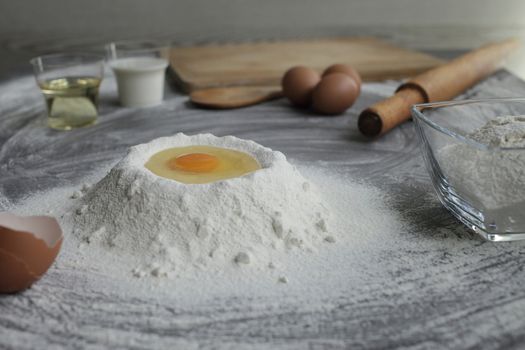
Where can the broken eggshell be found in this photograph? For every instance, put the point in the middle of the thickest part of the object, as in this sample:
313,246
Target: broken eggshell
28,247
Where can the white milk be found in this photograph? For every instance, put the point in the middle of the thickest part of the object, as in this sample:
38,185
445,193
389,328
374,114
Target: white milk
140,80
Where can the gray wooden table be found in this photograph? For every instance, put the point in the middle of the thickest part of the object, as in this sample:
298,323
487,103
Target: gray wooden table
471,294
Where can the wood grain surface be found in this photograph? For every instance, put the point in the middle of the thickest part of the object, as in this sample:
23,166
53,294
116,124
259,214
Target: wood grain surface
444,289
264,63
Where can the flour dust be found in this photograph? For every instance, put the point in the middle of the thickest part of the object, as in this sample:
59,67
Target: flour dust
361,220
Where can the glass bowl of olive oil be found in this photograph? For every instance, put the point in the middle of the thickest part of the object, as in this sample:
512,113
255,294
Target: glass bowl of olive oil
70,85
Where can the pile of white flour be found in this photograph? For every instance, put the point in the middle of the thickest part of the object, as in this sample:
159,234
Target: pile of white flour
494,177
164,227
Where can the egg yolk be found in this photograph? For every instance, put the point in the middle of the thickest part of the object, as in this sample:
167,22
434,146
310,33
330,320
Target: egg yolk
194,162
200,164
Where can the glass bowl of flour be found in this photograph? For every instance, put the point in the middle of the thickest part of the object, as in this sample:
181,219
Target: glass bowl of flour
475,153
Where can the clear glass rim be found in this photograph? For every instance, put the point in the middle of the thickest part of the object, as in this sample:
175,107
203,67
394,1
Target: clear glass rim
418,114
90,58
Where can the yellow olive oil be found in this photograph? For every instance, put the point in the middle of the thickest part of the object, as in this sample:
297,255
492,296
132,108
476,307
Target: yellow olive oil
71,101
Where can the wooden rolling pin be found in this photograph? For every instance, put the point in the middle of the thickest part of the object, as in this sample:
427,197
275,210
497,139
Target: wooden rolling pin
438,84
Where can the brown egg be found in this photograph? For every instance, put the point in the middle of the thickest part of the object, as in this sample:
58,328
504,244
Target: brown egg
28,247
346,69
298,84
334,94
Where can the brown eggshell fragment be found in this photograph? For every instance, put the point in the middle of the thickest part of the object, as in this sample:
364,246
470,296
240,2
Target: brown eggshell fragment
334,94
298,84
14,274
28,246
346,69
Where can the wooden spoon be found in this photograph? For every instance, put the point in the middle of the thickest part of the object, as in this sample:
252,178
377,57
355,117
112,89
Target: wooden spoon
235,96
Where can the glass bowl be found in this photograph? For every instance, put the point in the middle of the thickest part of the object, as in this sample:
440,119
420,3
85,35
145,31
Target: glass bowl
479,175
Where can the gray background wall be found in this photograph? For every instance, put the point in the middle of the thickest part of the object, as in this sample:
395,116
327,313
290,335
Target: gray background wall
32,27
422,23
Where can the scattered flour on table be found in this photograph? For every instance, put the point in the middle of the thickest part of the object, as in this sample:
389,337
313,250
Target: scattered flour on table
495,176
165,228
364,223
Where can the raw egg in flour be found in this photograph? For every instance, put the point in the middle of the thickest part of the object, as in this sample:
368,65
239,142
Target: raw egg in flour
201,164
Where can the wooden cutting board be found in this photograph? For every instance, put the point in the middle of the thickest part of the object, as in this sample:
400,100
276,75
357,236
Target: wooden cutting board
264,63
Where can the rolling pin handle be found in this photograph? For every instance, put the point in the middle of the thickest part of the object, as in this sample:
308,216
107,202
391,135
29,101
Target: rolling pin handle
370,123
415,86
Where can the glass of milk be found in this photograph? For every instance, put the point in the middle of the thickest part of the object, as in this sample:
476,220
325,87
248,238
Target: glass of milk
140,69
